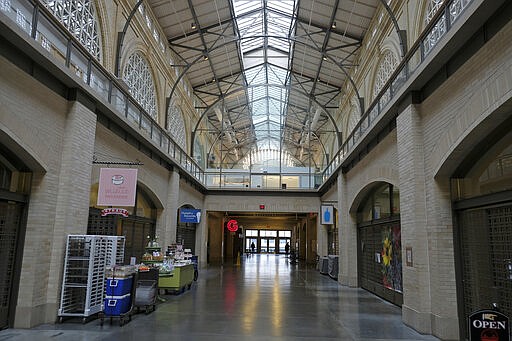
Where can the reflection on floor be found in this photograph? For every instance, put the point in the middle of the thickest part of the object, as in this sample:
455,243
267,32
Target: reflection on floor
265,298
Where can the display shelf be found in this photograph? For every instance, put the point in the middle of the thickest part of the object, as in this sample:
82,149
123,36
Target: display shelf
180,278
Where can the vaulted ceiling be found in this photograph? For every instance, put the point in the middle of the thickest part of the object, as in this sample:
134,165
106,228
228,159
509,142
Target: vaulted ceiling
268,74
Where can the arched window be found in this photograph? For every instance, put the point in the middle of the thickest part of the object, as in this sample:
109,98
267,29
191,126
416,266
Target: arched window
140,82
387,66
79,17
176,126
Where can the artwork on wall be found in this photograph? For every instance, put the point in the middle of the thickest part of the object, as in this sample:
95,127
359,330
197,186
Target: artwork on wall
391,265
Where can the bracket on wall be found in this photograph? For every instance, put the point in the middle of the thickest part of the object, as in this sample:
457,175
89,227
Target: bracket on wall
96,162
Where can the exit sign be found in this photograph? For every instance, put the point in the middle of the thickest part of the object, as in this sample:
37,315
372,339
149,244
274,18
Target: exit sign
262,207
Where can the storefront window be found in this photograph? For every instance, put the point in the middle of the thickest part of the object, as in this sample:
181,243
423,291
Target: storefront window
492,174
382,202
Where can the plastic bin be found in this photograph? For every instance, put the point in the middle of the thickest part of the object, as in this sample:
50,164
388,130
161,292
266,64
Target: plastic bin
145,295
118,286
117,305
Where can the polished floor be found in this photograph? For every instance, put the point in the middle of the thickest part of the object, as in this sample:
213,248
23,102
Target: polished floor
265,298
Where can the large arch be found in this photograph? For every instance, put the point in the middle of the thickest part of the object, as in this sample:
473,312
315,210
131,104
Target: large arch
19,149
463,141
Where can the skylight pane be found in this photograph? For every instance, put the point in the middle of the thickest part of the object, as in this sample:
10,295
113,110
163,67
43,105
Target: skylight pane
245,6
262,27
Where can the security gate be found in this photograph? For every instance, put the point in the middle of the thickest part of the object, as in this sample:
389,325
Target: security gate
485,235
10,226
380,260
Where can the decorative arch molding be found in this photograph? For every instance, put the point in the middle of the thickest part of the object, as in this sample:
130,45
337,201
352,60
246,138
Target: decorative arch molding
463,145
363,192
390,43
18,147
175,123
387,63
401,34
150,194
107,45
420,9
352,119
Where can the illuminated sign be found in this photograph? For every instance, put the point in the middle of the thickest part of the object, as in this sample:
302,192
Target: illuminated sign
232,225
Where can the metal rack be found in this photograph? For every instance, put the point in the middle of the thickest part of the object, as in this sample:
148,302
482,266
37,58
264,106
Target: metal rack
83,280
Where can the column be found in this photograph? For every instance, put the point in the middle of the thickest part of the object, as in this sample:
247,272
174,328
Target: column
73,193
347,237
170,213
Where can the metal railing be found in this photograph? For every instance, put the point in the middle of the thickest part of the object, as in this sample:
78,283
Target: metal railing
440,24
38,23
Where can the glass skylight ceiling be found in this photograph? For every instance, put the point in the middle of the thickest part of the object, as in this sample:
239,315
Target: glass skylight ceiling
266,49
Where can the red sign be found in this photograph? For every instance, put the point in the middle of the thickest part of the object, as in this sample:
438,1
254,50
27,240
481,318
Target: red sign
109,211
262,207
233,225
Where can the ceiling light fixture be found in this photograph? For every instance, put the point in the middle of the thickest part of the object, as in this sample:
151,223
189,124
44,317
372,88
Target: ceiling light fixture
205,57
333,26
193,25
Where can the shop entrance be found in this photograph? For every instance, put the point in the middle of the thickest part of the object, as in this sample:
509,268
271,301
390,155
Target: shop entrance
483,211
10,219
14,193
137,227
380,243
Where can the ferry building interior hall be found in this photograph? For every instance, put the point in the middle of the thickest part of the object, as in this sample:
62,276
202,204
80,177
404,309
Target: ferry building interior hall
372,135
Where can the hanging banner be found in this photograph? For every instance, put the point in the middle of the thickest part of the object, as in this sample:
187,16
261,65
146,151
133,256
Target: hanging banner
117,187
327,215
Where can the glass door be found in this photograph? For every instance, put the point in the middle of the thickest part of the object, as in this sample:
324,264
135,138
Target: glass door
251,244
268,245
282,245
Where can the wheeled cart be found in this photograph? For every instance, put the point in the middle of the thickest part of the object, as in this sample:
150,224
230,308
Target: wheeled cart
145,295
119,299
84,267
180,278
146,292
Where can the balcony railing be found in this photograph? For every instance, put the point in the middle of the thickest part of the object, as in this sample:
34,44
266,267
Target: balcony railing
441,23
39,24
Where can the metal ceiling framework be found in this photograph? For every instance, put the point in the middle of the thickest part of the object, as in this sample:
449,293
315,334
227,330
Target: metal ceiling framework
268,73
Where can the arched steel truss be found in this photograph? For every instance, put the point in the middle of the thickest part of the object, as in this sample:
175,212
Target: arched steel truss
305,40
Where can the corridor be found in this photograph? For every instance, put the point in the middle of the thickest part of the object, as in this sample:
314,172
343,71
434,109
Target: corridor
265,298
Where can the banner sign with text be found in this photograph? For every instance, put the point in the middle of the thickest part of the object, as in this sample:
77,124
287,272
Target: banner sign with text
190,215
118,211
117,187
